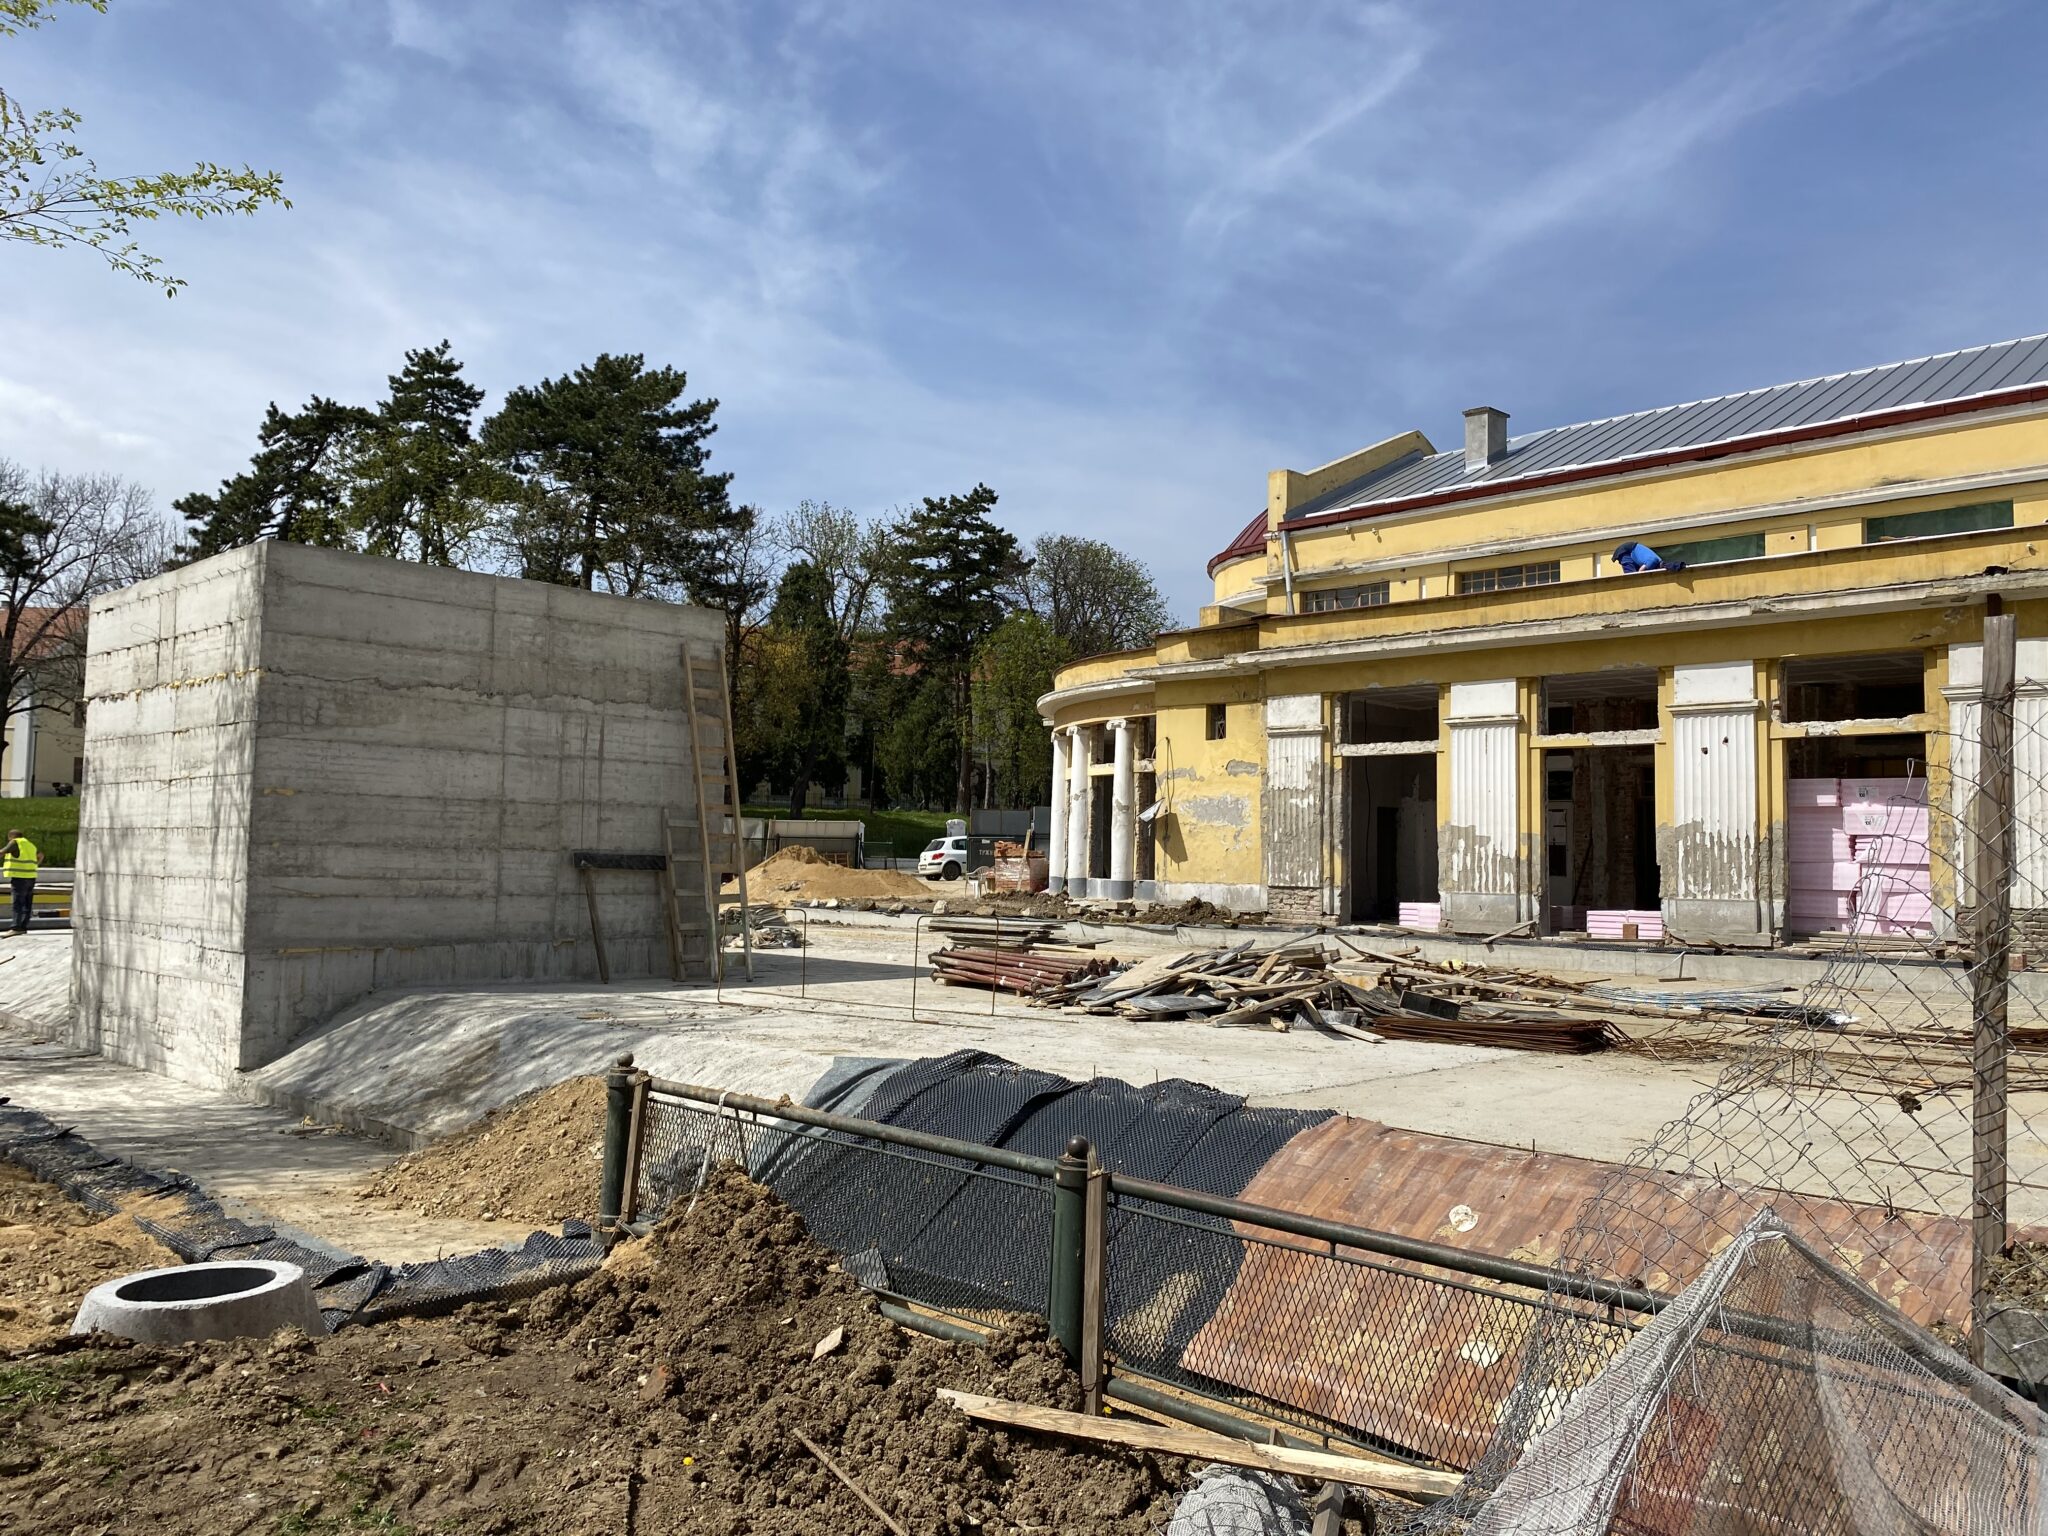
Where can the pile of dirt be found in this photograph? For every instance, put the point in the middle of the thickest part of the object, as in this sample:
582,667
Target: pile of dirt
664,1394
802,874
534,1161
52,1251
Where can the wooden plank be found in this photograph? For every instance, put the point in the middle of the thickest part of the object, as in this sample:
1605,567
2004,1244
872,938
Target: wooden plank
859,1492
604,970
1991,830
1203,1445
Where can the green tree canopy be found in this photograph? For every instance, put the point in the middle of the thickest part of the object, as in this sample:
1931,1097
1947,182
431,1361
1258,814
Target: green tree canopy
614,491
951,567
1092,596
799,702
421,489
297,488
52,193
1012,672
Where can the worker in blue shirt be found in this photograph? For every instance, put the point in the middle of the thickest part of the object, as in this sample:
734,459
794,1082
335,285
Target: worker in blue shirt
1633,557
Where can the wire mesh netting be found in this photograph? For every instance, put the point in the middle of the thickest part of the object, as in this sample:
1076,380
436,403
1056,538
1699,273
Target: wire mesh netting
1776,1395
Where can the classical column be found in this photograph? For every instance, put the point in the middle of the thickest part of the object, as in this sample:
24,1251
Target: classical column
1712,884
1056,835
1077,812
1479,862
1123,812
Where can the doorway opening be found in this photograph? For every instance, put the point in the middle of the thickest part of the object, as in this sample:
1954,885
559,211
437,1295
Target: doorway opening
1600,870
1859,860
1389,745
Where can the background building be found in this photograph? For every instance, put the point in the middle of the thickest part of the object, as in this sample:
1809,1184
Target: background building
1428,690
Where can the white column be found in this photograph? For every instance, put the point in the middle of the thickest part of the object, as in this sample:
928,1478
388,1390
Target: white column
1291,806
1077,812
1123,811
1479,851
1056,835
1713,885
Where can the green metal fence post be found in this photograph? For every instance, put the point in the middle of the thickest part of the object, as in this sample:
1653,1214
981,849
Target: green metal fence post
1069,1244
618,1138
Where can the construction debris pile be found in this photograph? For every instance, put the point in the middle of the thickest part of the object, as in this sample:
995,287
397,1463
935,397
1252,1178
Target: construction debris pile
1011,955
1370,998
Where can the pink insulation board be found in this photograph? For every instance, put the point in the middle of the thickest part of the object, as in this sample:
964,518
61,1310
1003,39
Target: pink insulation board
1609,924
1427,916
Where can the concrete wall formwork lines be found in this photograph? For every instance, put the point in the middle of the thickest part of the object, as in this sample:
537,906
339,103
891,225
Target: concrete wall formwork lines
377,784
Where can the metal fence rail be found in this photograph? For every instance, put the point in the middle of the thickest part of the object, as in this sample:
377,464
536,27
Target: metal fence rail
1323,1331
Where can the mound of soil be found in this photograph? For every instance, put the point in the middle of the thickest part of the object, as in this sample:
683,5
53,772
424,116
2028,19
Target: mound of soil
662,1395
533,1161
802,874
52,1251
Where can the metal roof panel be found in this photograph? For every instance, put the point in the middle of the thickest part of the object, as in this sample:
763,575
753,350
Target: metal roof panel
1702,423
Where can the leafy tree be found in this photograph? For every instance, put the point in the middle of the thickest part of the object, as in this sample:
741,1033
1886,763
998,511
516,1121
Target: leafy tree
298,487
1012,672
52,193
421,490
800,709
1094,597
948,574
64,539
614,492
852,555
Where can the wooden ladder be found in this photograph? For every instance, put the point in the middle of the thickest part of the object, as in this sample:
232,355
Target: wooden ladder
720,847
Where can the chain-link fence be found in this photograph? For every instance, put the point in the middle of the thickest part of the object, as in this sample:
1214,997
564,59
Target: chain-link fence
1323,1332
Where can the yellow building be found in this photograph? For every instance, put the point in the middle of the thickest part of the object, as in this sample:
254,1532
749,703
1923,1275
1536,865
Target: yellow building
1430,690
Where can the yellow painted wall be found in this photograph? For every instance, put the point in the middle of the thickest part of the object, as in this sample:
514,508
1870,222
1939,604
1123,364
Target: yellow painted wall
1209,830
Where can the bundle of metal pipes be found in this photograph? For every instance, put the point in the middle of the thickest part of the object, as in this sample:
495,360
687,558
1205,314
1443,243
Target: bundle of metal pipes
1015,970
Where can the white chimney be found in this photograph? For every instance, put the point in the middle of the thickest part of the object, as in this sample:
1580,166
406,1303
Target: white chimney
1486,437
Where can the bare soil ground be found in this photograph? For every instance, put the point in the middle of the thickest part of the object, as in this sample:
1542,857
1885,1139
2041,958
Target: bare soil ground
801,874
534,1162
662,1395
52,1251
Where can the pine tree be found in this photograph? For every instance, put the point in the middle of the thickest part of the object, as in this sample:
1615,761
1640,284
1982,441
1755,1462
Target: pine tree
295,489
613,487
952,568
420,485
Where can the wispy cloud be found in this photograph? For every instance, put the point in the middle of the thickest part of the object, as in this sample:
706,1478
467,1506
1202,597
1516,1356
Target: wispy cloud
1806,48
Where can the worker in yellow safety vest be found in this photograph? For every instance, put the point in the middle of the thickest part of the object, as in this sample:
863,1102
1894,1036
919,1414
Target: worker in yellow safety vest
18,866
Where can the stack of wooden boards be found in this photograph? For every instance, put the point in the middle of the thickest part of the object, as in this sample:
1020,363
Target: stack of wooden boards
1011,954
1385,998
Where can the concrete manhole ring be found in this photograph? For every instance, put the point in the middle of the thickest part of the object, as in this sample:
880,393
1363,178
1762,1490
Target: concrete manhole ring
239,1299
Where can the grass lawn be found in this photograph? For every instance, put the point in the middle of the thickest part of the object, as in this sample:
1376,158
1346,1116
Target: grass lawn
907,831
51,822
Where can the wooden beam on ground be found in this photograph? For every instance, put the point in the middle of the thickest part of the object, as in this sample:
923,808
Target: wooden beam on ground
1202,1445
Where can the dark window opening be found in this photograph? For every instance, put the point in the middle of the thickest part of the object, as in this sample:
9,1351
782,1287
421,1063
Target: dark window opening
1101,811
1218,722
1391,714
1373,594
1883,687
1622,699
1390,836
1976,516
1599,834
1505,578
1734,546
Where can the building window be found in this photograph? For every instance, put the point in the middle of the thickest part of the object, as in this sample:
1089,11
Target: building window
1505,578
1929,525
1734,546
1217,723
1373,594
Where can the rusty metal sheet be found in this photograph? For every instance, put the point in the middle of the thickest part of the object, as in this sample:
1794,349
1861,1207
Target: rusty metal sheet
1425,1358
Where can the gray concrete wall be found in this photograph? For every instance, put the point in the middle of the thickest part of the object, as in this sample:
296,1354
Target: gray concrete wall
313,775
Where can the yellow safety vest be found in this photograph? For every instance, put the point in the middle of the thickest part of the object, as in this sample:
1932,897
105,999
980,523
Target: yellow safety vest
20,863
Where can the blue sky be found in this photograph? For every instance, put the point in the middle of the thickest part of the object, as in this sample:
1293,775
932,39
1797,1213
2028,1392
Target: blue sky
1116,260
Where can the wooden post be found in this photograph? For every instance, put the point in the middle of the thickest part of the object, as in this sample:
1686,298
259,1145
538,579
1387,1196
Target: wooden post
1094,1285
1991,846
604,970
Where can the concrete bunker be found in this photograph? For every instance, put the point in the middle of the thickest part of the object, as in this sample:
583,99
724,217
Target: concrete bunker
1601,874
1387,743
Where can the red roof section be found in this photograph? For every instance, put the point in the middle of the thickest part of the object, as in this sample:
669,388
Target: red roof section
1250,542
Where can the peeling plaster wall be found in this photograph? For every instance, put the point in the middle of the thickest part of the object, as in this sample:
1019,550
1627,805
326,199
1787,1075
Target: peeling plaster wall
1709,851
1208,834
1479,846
